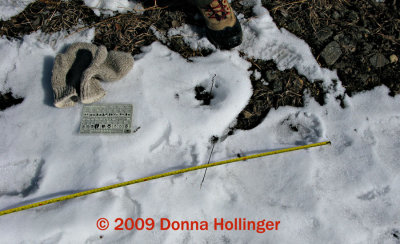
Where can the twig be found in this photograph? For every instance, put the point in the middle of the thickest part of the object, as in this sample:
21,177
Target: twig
214,140
112,18
212,84
28,21
283,5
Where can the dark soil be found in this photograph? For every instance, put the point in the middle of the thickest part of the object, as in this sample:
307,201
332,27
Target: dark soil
359,39
275,88
48,16
7,100
130,32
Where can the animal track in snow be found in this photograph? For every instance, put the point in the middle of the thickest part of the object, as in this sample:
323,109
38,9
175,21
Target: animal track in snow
374,194
300,128
21,177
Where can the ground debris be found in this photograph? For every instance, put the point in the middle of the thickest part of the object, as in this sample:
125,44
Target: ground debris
364,32
8,99
273,89
49,17
355,38
331,53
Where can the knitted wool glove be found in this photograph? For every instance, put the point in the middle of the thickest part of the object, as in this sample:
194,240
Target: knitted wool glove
106,67
67,73
110,66
116,66
90,89
81,67
65,95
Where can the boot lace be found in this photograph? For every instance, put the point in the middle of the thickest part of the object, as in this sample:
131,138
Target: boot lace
218,9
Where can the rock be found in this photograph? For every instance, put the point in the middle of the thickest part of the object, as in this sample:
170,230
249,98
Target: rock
175,24
364,78
36,22
348,44
284,12
393,58
331,53
378,60
336,15
353,17
324,34
277,86
340,65
367,48
271,75
247,114
295,27
338,37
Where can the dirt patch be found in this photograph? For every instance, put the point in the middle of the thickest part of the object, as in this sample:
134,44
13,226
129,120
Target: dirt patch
129,32
274,88
48,16
8,99
360,39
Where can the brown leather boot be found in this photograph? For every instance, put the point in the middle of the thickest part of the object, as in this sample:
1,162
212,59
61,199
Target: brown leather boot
223,28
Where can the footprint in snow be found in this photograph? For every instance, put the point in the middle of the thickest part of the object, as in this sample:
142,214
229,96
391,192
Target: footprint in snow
374,194
300,128
21,177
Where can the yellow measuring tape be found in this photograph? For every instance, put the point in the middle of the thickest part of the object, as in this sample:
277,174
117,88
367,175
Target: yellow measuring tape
175,172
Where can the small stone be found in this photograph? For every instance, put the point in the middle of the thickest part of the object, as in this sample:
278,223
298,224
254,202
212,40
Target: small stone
393,58
36,22
294,26
284,12
338,37
247,114
353,17
175,24
331,53
277,86
165,25
378,60
364,78
336,15
367,48
271,75
324,34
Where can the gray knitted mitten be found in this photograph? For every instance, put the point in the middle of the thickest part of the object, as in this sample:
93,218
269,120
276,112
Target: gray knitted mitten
110,66
65,94
81,67
90,89
67,73
116,66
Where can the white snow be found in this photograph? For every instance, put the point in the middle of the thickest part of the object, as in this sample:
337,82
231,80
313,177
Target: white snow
344,193
108,7
191,36
9,8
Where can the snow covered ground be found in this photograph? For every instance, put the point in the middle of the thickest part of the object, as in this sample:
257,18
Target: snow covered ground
348,192
9,8
108,7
